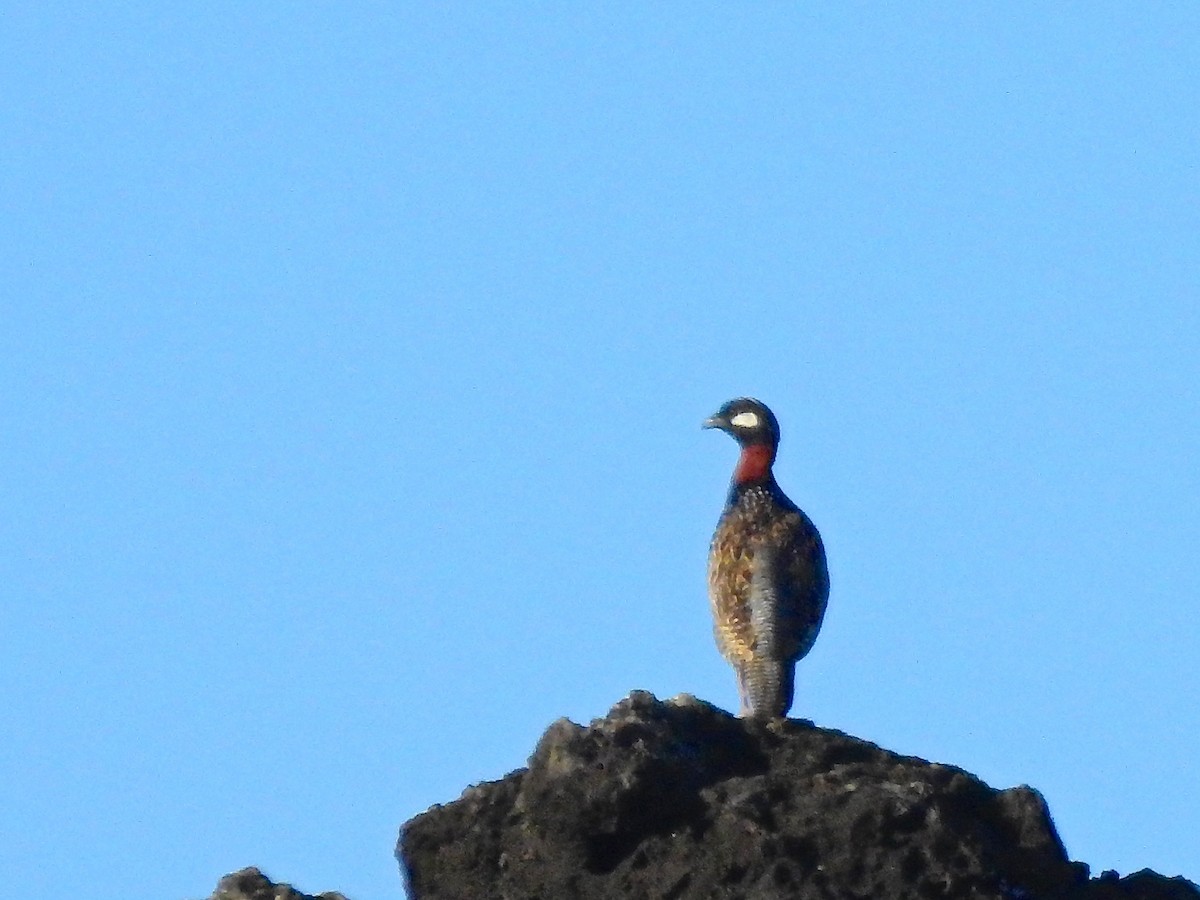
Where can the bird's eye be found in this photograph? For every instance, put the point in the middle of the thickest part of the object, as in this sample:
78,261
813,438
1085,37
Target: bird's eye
744,420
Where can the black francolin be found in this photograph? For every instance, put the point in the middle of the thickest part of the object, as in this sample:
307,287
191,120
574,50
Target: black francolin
767,577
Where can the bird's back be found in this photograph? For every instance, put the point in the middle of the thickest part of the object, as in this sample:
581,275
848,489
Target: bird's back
768,584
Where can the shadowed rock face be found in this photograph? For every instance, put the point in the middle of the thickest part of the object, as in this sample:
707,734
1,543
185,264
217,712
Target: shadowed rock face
681,800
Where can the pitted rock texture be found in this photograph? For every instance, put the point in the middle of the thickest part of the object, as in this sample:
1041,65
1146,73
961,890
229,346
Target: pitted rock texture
680,800
251,884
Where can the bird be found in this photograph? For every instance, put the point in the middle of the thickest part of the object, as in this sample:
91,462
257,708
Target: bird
768,579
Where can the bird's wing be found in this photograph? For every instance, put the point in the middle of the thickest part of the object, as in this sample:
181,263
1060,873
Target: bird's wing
803,580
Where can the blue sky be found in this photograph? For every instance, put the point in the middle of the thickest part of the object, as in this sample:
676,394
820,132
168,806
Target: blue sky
352,360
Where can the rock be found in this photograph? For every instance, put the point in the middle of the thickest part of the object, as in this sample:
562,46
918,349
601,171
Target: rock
251,884
680,800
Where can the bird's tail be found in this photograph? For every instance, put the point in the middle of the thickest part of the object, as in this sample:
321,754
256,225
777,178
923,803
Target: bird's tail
767,687
768,680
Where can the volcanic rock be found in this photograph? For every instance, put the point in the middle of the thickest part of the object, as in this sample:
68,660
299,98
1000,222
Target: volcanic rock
679,800
251,884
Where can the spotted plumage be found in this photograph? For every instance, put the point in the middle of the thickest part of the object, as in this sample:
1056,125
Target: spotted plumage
767,577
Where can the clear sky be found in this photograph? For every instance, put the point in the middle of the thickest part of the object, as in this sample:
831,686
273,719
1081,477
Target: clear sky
353,358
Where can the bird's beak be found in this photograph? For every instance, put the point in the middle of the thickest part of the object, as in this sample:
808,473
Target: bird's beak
715,421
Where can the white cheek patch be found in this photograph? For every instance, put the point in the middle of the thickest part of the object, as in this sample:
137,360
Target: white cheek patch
744,420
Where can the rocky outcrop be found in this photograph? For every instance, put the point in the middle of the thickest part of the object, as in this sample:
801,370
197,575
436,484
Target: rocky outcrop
251,884
680,800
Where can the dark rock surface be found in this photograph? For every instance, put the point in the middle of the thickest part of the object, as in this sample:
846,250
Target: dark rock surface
680,800
251,884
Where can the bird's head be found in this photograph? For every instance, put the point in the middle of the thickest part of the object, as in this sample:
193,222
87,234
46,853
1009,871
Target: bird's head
747,421
756,430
